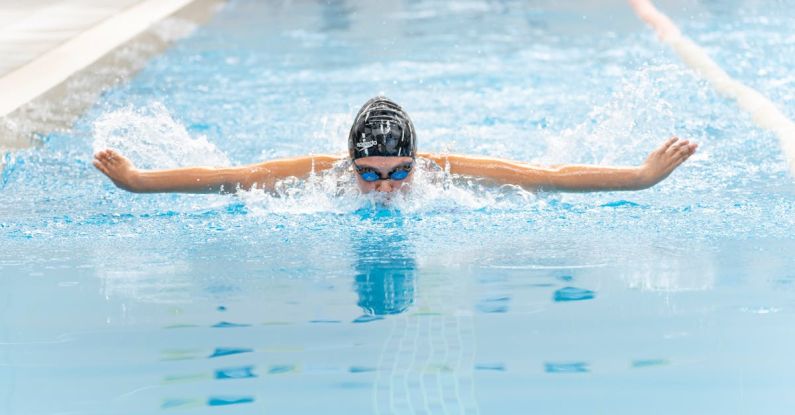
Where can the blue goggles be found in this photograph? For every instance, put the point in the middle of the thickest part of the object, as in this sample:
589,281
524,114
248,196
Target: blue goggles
370,174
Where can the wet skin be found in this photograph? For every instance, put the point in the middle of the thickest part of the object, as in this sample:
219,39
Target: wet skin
264,175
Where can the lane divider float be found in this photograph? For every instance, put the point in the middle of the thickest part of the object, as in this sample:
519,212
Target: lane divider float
764,113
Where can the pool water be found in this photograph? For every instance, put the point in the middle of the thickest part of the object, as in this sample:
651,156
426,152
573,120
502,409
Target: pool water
455,298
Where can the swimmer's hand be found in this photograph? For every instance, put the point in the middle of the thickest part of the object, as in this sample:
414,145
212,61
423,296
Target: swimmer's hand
119,169
664,160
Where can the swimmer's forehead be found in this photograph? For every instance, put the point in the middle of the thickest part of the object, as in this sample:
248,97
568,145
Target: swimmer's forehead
383,161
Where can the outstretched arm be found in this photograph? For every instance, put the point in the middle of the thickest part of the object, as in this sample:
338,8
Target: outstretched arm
574,178
206,179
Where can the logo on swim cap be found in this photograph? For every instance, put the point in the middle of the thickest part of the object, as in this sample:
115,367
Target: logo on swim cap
382,128
364,145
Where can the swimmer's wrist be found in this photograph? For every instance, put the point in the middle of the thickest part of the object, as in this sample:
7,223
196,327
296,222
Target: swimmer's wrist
135,181
645,177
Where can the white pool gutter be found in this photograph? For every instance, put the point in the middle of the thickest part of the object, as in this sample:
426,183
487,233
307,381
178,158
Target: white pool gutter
42,82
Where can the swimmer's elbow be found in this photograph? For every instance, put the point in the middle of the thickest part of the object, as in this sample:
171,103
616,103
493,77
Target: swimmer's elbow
259,176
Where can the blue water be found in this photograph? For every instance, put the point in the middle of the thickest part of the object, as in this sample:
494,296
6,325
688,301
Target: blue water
458,297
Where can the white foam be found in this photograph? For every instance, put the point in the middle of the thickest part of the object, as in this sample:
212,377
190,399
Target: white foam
335,191
152,138
620,128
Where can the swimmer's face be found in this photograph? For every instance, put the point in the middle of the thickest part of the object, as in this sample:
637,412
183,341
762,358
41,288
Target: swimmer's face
383,166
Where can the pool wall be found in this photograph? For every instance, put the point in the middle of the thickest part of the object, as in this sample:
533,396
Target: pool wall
48,93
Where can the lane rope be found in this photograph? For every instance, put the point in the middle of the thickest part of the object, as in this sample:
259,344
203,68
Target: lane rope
764,113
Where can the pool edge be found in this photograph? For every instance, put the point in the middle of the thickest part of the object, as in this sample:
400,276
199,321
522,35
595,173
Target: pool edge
37,107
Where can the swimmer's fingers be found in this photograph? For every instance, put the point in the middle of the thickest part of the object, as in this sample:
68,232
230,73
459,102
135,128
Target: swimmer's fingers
687,148
100,166
664,147
100,158
676,146
103,168
668,143
107,155
660,153
104,163
112,159
103,159
666,159
684,153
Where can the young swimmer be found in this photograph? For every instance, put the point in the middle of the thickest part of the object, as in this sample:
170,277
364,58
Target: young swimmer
382,149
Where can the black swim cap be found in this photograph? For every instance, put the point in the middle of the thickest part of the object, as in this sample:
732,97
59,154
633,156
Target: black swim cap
382,128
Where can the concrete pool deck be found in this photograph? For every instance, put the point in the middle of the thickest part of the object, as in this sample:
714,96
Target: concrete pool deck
59,55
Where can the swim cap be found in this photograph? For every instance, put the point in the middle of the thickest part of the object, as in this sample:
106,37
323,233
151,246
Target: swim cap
382,128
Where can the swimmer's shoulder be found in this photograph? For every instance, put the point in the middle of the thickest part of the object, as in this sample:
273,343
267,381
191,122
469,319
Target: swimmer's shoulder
430,162
432,158
327,161
298,166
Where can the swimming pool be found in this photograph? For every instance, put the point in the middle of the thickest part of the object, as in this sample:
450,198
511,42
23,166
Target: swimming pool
458,298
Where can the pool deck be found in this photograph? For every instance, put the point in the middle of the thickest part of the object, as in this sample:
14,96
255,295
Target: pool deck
47,44
32,28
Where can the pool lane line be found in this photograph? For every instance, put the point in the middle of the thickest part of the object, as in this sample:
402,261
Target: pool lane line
764,112
49,70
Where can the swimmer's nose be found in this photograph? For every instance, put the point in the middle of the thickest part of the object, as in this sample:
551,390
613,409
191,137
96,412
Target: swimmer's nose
385,186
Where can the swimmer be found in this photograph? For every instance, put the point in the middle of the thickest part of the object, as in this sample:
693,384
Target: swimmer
382,150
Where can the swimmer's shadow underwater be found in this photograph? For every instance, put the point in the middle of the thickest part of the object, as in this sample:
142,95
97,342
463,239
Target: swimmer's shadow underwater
384,277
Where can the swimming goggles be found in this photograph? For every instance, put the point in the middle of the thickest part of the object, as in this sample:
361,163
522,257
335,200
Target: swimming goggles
370,174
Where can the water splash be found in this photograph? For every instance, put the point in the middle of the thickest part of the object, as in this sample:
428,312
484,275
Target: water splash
432,191
638,115
152,138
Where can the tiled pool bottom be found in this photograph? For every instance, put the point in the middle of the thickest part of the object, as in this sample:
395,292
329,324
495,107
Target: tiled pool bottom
674,332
